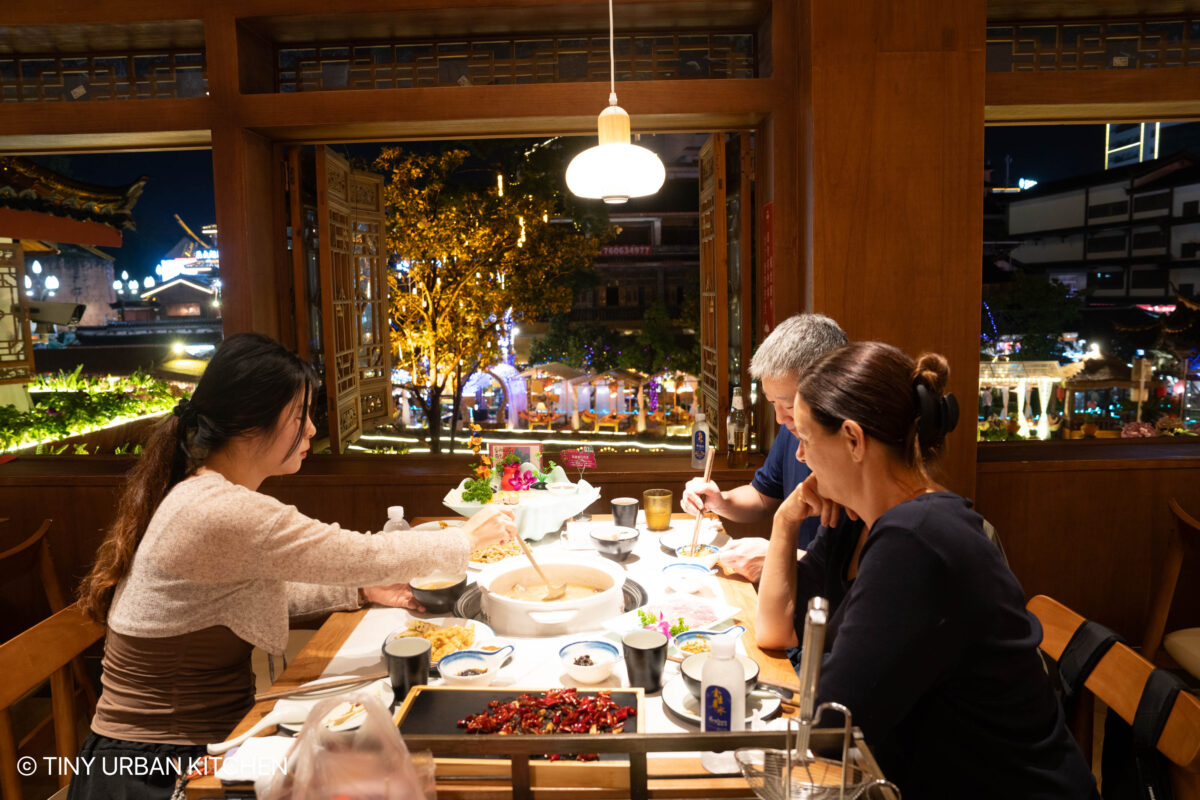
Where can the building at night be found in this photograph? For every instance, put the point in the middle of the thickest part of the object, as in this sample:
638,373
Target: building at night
1127,235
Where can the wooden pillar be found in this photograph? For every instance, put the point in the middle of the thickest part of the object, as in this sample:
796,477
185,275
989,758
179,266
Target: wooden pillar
891,152
246,196
246,183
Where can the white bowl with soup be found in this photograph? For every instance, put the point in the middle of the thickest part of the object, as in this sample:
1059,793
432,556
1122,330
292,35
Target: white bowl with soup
512,595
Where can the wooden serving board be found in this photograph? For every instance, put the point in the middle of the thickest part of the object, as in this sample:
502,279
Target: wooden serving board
434,710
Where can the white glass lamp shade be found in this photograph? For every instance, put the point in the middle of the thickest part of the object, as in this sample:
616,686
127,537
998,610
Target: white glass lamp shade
51,283
615,170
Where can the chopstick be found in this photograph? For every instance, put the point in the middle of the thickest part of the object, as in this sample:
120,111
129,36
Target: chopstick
708,462
350,681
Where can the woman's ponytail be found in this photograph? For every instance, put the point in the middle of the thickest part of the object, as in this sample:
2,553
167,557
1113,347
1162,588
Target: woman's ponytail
162,464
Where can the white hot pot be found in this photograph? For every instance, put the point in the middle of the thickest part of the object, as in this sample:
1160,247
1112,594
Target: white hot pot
514,617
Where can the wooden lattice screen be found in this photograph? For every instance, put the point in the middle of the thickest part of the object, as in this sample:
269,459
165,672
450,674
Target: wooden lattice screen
714,289
16,347
353,299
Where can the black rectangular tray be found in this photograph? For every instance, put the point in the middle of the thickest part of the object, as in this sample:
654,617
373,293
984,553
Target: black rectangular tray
436,710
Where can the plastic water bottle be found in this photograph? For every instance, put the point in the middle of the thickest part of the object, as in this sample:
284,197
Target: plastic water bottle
395,521
722,699
701,441
737,428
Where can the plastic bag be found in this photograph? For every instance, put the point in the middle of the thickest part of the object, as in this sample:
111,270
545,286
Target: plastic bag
370,762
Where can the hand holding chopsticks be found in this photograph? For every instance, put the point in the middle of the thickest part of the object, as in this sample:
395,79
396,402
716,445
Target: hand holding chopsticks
708,462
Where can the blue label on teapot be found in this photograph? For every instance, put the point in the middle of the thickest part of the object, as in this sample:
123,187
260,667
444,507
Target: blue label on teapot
717,708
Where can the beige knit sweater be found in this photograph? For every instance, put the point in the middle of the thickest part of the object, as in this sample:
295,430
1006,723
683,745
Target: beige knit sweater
216,553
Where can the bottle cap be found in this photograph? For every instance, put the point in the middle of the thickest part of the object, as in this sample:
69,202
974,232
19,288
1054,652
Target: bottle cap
722,646
738,402
699,416
395,512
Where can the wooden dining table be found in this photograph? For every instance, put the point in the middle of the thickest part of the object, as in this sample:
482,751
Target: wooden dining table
668,775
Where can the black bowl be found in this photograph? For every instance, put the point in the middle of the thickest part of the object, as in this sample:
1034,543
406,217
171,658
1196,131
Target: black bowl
441,599
693,666
617,548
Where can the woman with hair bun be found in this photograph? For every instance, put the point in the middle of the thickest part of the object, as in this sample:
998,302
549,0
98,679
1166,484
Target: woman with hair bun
928,644
199,567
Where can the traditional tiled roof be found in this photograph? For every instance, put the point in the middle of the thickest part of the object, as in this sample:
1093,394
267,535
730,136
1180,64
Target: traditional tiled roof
26,186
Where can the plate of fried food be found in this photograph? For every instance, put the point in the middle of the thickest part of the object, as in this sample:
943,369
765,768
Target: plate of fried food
447,635
492,553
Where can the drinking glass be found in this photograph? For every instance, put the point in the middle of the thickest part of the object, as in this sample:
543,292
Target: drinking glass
658,508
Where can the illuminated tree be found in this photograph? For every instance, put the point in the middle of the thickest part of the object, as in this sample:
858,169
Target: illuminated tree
475,251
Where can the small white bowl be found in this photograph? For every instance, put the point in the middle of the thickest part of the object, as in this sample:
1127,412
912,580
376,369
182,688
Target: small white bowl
685,577
707,557
678,537
487,662
604,655
561,488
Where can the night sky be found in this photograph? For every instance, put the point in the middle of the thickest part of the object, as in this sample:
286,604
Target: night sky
181,182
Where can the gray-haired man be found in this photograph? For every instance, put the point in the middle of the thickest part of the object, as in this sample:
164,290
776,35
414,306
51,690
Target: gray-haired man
778,364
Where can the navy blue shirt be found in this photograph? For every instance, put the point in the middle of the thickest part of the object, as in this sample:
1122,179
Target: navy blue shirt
932,650
780,474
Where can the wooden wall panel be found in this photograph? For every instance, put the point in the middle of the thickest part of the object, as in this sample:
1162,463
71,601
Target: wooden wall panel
1094,534
896,188
352,490
1091,533
1091,96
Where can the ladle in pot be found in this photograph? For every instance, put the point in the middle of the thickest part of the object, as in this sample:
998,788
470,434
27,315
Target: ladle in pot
552,592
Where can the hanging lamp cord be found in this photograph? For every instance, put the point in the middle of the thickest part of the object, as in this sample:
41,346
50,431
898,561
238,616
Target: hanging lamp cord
612,59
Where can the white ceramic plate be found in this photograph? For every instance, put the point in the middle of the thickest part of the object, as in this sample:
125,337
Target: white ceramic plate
676,697
436,525
723,616
482,631
345,716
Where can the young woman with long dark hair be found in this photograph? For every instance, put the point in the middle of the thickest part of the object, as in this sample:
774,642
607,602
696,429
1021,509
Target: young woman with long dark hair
928,644
199,567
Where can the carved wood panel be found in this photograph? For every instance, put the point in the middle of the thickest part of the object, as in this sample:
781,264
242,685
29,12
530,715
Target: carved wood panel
370,299
714,319
340,334
353,266
16,345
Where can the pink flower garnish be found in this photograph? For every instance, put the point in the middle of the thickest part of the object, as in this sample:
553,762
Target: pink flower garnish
522,481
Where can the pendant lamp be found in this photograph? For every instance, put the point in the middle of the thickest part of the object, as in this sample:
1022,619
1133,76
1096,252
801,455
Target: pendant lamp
614,170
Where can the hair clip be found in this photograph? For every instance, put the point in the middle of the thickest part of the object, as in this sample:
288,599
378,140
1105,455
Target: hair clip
936,415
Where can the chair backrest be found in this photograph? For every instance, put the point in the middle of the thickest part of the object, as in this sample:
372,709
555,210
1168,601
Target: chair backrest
38,544
1118,680
45,651
1185,538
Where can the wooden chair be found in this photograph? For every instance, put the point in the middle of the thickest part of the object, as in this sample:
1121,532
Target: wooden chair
1182,645
43,652
1118,680
38,546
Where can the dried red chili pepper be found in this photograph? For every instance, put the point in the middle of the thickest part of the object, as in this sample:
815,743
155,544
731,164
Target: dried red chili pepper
555,711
